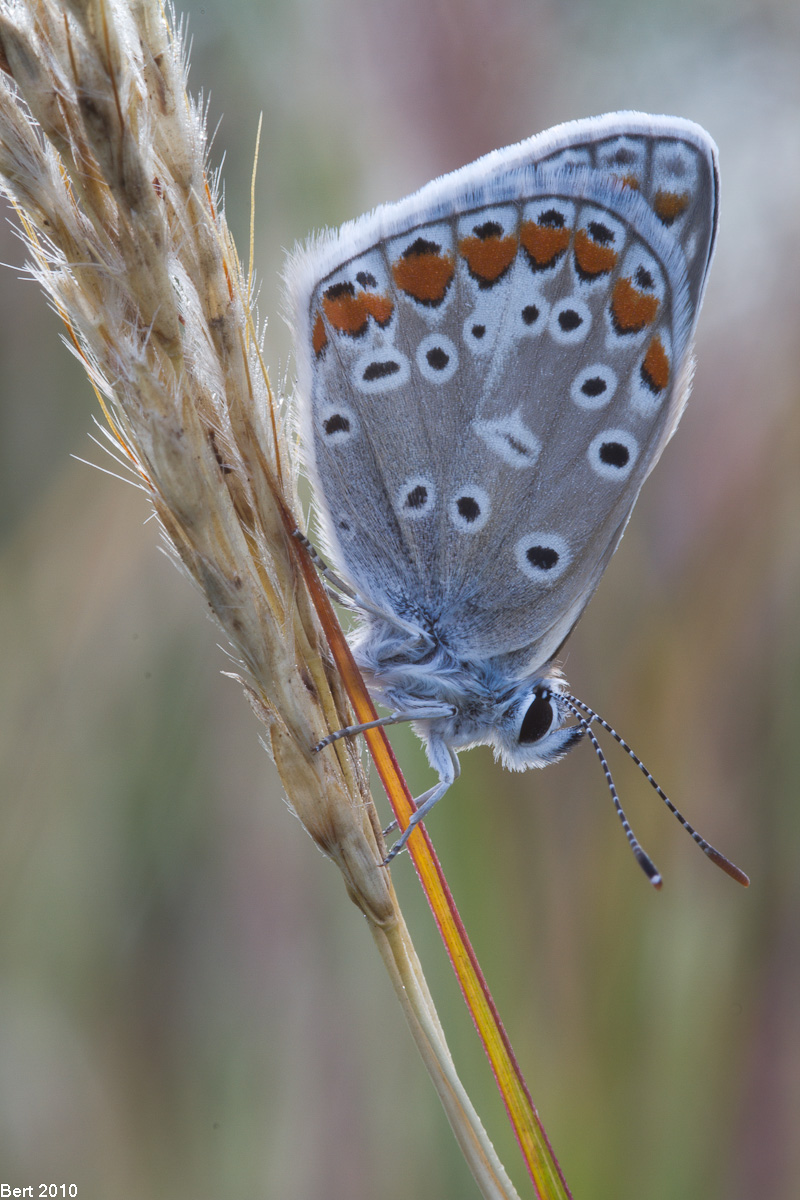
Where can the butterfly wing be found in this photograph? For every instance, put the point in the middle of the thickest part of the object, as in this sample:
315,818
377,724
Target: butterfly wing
669,161
490,369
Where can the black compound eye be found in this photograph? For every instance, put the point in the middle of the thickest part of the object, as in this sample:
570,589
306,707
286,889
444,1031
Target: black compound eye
538,718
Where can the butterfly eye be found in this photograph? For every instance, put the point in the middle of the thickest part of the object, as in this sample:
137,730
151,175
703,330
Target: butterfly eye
538,718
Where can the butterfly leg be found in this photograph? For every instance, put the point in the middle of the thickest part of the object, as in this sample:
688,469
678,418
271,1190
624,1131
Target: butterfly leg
395,718
325,571
444,759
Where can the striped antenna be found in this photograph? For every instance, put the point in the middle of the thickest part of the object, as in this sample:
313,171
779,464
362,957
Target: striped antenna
644,860
577,707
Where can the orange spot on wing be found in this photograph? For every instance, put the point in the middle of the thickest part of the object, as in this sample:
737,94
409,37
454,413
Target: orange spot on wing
344,309
488,258
631,181
349,311
379,307
631,309
593,259
544,243
319,338
655,368
669,205
423,272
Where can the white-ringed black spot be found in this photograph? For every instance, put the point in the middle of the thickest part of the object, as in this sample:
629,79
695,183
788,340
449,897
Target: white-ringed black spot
366,279
533,315
613,453
551,218
416,497
380,370
594,386
479,330
569,319
337,423
469,509
437,358
543,557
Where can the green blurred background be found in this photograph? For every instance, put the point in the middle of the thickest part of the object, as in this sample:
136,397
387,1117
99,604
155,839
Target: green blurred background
190,1007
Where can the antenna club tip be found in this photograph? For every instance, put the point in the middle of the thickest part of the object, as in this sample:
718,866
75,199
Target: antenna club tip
650,869
725,864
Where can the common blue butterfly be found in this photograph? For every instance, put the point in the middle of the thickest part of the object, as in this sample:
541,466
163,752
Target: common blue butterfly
488,370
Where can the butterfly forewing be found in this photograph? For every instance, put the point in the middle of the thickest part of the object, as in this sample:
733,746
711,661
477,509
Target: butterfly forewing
487,390
671,163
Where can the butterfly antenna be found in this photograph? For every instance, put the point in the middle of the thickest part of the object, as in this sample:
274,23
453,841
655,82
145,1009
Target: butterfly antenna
716,857
643,859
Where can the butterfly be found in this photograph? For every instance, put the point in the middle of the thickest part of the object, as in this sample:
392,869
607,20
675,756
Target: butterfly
488,370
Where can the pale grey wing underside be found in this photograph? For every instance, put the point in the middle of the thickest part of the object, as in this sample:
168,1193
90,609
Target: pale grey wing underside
480,439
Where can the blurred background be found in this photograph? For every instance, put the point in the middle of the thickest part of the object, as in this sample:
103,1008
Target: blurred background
190,1007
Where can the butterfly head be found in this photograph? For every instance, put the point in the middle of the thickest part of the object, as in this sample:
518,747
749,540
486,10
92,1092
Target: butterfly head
533,730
